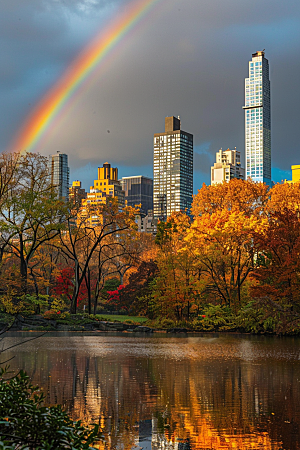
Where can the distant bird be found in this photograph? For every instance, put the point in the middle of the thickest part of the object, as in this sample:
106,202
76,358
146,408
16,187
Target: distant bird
108,131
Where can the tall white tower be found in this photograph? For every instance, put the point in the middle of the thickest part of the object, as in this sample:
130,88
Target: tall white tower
258,120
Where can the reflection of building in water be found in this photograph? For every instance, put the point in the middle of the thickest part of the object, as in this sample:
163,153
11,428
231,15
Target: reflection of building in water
159,440
144,433
218,404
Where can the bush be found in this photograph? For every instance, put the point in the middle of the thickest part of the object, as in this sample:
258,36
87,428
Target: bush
164,323
26,424
214,318
26,304
250,319
58,304
51,314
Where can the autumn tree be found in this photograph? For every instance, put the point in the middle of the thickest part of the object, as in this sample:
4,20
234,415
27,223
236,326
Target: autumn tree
136,295
173,291
228,218
223,244
243,196
80,241
30,210
278,270
9,177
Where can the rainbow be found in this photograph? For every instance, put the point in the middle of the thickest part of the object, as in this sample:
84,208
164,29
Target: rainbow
50,109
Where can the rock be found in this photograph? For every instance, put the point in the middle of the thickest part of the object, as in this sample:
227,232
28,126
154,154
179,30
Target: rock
141,329
33,322
177,330
89,326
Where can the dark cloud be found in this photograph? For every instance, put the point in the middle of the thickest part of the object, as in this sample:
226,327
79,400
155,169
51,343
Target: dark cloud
184,58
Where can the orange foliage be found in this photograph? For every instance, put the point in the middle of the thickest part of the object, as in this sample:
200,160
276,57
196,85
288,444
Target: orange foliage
239,195
223,244
278,269
175,283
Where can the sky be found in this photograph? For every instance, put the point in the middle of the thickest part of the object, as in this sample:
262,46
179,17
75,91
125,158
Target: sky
186,58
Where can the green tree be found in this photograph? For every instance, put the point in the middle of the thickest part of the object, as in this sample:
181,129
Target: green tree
31,212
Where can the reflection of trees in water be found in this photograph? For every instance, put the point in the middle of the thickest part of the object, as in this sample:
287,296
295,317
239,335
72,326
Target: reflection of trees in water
215,403
236,399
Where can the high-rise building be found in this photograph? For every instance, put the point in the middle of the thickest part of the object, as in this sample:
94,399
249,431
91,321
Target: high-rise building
59,173
295,174
227,166
76,193
258,120
173,170
106,186
138,191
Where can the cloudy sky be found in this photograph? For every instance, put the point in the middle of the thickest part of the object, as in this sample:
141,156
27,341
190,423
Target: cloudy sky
186,58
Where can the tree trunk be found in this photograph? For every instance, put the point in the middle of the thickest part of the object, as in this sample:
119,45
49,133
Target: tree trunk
36,288
23,271
88,285
76,289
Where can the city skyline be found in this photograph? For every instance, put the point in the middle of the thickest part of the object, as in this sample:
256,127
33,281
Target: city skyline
194,68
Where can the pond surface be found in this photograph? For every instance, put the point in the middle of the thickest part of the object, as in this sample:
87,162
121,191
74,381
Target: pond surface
171,392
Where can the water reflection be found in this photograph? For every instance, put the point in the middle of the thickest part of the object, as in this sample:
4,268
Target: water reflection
164,392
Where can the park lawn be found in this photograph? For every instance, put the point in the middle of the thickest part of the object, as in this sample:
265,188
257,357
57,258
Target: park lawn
121,318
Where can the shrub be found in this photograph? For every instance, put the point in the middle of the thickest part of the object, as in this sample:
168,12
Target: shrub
214,318
26,424
165,323
51,314
58,304
65,315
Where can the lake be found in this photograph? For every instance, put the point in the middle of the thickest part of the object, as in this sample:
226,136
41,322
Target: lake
171,392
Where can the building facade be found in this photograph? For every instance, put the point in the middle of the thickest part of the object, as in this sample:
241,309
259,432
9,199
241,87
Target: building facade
59,173
227,166
106,186
76,193
138,191
295,174
173,170
258,120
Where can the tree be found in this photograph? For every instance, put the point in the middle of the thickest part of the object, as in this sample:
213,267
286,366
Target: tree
137,293
174,286
240,195
223,244
278,270
81,242
31,212
9,177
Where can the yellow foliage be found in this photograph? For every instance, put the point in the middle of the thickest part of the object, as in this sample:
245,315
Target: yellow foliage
236,195
58,304
283,196
9,305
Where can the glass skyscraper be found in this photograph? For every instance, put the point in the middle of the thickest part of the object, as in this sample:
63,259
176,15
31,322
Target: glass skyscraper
138,191
59,173
258,120
173,170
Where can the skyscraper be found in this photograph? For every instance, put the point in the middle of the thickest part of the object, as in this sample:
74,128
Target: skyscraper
105,188
227,166
258,120
76,193
173,170
59,173
138,191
